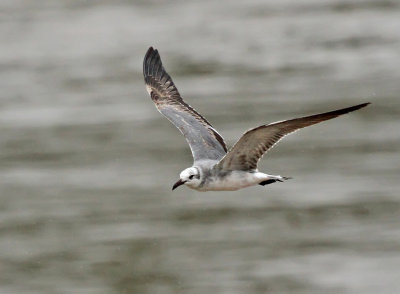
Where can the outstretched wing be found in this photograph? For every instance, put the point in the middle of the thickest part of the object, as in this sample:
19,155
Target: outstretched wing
203,139
246,153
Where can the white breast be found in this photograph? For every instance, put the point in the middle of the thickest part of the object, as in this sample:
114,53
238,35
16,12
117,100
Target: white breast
234,181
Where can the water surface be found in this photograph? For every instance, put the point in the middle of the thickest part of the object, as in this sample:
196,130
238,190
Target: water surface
87,163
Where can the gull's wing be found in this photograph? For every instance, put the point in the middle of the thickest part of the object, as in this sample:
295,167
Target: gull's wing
203,139
246,153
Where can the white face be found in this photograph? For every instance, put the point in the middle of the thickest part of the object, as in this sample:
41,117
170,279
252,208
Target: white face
190,176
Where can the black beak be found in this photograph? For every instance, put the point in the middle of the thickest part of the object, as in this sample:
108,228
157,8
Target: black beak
177,184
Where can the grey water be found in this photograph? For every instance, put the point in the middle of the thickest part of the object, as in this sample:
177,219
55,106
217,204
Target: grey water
87,163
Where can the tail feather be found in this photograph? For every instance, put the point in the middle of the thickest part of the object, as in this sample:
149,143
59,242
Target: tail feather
271,181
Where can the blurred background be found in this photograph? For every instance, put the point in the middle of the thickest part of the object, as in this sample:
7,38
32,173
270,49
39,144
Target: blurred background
87,163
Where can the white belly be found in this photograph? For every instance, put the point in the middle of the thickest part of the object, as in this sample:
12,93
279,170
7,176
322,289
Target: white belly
234,181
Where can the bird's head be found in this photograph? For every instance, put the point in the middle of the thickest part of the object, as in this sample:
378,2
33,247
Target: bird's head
189,177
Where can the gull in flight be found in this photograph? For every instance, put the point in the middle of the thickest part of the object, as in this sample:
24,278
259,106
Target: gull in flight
214,167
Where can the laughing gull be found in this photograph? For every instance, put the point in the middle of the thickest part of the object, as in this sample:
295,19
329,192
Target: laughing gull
214,167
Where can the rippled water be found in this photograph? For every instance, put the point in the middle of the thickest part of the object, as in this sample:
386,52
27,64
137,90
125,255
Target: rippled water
87,163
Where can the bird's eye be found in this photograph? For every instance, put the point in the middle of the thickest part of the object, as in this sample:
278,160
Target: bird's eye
191,177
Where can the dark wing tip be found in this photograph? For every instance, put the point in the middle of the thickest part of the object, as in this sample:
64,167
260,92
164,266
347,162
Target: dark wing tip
356,107
149,52
151,63
338,112
156,77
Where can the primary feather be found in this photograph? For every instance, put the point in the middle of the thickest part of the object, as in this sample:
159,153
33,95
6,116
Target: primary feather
203,139
248,150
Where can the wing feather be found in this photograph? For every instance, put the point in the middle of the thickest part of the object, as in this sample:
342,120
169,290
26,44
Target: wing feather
204,141
250,148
